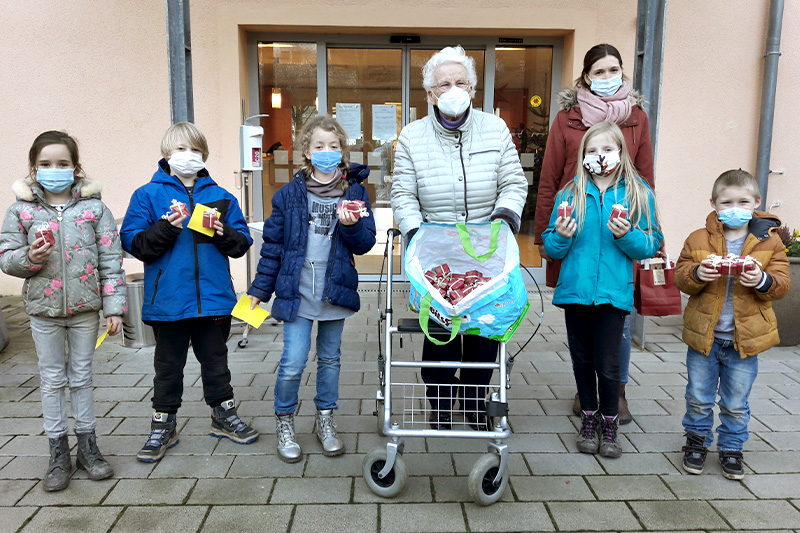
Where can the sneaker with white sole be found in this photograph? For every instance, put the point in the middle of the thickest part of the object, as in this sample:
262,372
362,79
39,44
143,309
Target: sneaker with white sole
163,435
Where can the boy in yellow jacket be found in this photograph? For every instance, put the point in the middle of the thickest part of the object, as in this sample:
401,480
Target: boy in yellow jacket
729,319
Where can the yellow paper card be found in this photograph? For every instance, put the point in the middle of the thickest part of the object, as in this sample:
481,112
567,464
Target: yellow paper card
254,317
196,222
101,339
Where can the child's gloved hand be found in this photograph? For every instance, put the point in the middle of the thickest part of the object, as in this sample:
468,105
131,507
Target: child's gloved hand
39,251
566,227
751,278
618,226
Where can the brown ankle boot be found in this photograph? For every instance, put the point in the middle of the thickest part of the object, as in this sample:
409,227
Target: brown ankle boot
624,413
576,406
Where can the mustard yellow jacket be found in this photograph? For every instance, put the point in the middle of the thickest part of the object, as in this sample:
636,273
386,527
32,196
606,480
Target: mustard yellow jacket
756,328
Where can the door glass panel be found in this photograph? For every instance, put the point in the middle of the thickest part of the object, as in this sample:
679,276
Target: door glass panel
364,94
523,77
418,101
287,83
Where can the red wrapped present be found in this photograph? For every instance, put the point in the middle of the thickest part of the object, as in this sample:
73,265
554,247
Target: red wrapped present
732,264
618,211
210,216
356,207
179,207
430,276
565,210
45,233
442,271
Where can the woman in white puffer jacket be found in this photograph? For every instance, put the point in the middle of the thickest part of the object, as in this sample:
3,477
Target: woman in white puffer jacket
456,165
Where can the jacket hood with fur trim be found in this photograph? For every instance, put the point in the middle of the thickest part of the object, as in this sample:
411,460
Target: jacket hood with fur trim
568,98
26,189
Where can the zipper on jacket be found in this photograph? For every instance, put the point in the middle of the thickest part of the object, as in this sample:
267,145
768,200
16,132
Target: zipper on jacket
190,192
155,288
313,280
332,256
464,172
60,217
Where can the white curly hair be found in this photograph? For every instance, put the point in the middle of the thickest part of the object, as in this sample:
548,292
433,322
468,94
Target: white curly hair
449,54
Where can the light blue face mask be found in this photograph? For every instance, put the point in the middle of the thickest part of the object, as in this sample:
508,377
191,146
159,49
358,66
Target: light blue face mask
606,87
326,162
735,217
55,180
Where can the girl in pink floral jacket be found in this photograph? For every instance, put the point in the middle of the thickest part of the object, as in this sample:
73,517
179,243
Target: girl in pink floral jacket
62,240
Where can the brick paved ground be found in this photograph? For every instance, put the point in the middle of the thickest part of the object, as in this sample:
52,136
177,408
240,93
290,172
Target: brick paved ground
205,484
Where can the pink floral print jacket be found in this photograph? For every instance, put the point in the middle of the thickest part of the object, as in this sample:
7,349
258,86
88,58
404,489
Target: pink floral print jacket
84,272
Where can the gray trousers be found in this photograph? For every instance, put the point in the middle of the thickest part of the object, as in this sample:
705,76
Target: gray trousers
65,348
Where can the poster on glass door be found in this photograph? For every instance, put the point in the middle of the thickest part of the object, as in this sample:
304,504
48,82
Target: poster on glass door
349,116
384,122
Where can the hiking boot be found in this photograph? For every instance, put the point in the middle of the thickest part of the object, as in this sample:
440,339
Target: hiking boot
694,453
226,423
576,406
609,438
623,413
163,435
90,458
332,445
731,462
478,421
57,476
288,449
440,420
588,437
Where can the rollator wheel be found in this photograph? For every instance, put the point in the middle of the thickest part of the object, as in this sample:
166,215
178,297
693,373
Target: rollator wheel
481,480
394,482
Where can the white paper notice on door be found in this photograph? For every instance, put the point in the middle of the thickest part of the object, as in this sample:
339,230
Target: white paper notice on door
384,122
349,116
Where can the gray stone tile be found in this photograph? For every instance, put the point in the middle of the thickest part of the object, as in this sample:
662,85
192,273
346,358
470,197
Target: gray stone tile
184,519
782,422
231,491
709,486
677,515
773,486
550,464
756,514
23,467
84,519
551,488
773,462
330,518
417,490
22,445
150,492
248,518
541,424
80,492
629,488
193,466
465,462
312,490
12,490
346,465
789,441
656,442
605,516
638,463
261,466
13,517
422,517
509,517
456,489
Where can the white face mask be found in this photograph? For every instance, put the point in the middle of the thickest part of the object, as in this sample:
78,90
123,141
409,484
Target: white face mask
601,164
454,102
186,164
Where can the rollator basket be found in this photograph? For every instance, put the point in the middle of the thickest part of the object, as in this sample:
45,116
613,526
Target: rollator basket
495,308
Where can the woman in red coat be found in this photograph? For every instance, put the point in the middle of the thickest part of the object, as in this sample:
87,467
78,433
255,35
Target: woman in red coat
601,93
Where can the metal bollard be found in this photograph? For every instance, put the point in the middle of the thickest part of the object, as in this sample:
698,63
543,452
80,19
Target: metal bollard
135,333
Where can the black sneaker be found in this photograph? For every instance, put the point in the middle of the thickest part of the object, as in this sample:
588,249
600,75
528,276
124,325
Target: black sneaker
226,423
731,462
163,435
478,421
440,420
589,436
694,453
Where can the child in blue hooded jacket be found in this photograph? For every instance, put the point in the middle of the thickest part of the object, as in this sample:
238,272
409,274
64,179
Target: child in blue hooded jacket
188,289
307,263
595,286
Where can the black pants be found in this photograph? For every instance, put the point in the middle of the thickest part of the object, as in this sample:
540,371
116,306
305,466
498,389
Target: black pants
594,333
208,336
465,348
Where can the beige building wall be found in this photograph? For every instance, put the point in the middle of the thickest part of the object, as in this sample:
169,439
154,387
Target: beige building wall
101,74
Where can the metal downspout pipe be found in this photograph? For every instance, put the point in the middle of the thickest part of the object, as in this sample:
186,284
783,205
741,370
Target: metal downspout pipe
768,90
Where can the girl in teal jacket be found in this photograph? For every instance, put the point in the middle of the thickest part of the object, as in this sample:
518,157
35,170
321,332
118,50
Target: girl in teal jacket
595,287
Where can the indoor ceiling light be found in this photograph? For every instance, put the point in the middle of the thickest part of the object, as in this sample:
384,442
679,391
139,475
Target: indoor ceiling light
276,98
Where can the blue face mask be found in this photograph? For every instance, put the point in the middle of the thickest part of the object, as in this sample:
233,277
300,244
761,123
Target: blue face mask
735,217
602,87
55,180
326,162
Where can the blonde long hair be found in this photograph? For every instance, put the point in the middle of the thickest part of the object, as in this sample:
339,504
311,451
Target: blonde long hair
637,192
329,124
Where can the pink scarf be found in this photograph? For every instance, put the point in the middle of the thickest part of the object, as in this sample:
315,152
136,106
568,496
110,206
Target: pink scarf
614,108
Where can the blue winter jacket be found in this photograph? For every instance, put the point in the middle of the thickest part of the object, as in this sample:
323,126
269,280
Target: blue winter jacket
597,268
186,274
284,249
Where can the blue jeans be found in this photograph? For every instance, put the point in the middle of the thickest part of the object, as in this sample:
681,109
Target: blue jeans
625,351
735,377
296,345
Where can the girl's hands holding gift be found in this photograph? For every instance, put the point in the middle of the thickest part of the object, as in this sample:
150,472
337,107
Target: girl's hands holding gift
346,217
618,226
751,278
566,227
40,250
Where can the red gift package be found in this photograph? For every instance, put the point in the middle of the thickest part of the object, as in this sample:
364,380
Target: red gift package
731,265
46,233
209,217
356,207
179,207
618,211
565,210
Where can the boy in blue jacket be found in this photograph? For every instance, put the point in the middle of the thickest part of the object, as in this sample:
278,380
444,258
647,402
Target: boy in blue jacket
188,292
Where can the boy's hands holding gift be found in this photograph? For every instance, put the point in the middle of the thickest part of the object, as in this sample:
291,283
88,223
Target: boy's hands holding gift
751,277
176,219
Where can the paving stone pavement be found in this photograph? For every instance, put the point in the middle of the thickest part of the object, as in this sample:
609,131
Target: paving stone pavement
206,484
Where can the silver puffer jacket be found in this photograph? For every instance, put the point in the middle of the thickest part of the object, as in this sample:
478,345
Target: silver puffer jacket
471,174
84,271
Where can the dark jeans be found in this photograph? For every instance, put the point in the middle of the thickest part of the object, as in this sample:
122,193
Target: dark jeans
464,348
208,336
594,333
